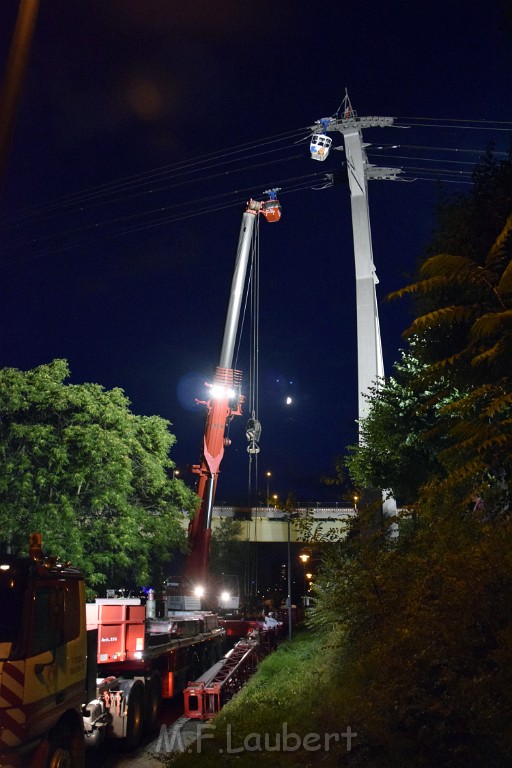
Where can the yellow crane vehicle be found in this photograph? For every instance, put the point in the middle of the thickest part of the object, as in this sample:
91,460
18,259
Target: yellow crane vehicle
72,675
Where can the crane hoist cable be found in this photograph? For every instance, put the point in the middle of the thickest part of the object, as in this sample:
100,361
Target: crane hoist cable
253,428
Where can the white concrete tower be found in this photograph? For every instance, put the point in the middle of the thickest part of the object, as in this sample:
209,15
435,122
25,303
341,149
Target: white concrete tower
370,365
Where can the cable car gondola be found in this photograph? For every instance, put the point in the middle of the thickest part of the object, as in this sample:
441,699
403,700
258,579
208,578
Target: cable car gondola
320,146
271,209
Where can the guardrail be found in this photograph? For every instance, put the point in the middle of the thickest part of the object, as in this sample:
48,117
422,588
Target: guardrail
273,513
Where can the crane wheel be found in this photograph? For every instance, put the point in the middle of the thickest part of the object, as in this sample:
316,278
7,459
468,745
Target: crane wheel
67,748
134,691
61,758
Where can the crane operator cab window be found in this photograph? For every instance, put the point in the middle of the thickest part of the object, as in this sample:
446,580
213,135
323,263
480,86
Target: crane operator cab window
34,616
320,146
11,601
55,618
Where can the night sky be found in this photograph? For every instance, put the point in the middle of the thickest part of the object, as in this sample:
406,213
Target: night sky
139,117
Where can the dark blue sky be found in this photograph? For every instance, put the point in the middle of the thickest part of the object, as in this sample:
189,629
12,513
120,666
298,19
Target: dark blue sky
118,88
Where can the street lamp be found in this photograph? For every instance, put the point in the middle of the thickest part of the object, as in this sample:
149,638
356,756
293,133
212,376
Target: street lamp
289,600
268,475
175,473
309,576
304,557
275,498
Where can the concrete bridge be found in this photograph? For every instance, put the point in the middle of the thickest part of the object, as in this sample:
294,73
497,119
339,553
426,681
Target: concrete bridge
268,524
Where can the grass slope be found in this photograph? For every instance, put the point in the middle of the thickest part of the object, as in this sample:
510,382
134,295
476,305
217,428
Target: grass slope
284,716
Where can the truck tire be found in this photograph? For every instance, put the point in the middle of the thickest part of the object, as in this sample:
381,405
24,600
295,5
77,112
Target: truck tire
134,693
153,703
67,748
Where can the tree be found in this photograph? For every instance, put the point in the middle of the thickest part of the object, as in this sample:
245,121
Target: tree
228,551
419,630
396,450
467,335
444,422
80,467
467,224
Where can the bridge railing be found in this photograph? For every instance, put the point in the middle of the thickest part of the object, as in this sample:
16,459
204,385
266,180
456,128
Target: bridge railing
339,512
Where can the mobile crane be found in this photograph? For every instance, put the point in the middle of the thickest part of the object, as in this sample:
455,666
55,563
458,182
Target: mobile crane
73,673
225,402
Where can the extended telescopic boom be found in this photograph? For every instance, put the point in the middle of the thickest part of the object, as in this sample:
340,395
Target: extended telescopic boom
225,399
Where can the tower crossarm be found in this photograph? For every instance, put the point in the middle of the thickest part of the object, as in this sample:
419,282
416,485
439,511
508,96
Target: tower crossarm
354,122
386,174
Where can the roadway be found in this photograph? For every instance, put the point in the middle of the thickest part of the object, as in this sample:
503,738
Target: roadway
160,742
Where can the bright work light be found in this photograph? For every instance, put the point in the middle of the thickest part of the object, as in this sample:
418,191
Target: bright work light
218,391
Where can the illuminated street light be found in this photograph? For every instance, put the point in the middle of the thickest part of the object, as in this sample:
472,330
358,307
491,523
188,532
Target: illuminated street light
304,557
268,475
289,577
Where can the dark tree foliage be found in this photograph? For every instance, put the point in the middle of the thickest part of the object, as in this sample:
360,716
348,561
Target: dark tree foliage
469,224
395,451
90,475
229,550
467,230
466,340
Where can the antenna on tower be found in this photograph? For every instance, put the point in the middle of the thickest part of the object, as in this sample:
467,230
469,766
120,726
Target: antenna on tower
345,109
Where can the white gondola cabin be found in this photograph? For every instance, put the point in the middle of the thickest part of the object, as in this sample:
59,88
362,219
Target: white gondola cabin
320,146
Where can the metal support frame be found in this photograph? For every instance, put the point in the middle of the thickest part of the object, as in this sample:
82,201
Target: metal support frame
204,697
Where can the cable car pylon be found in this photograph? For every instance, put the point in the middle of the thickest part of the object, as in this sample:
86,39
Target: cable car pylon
370,363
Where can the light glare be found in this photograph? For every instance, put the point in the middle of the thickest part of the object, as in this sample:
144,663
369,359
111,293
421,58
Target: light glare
217,391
